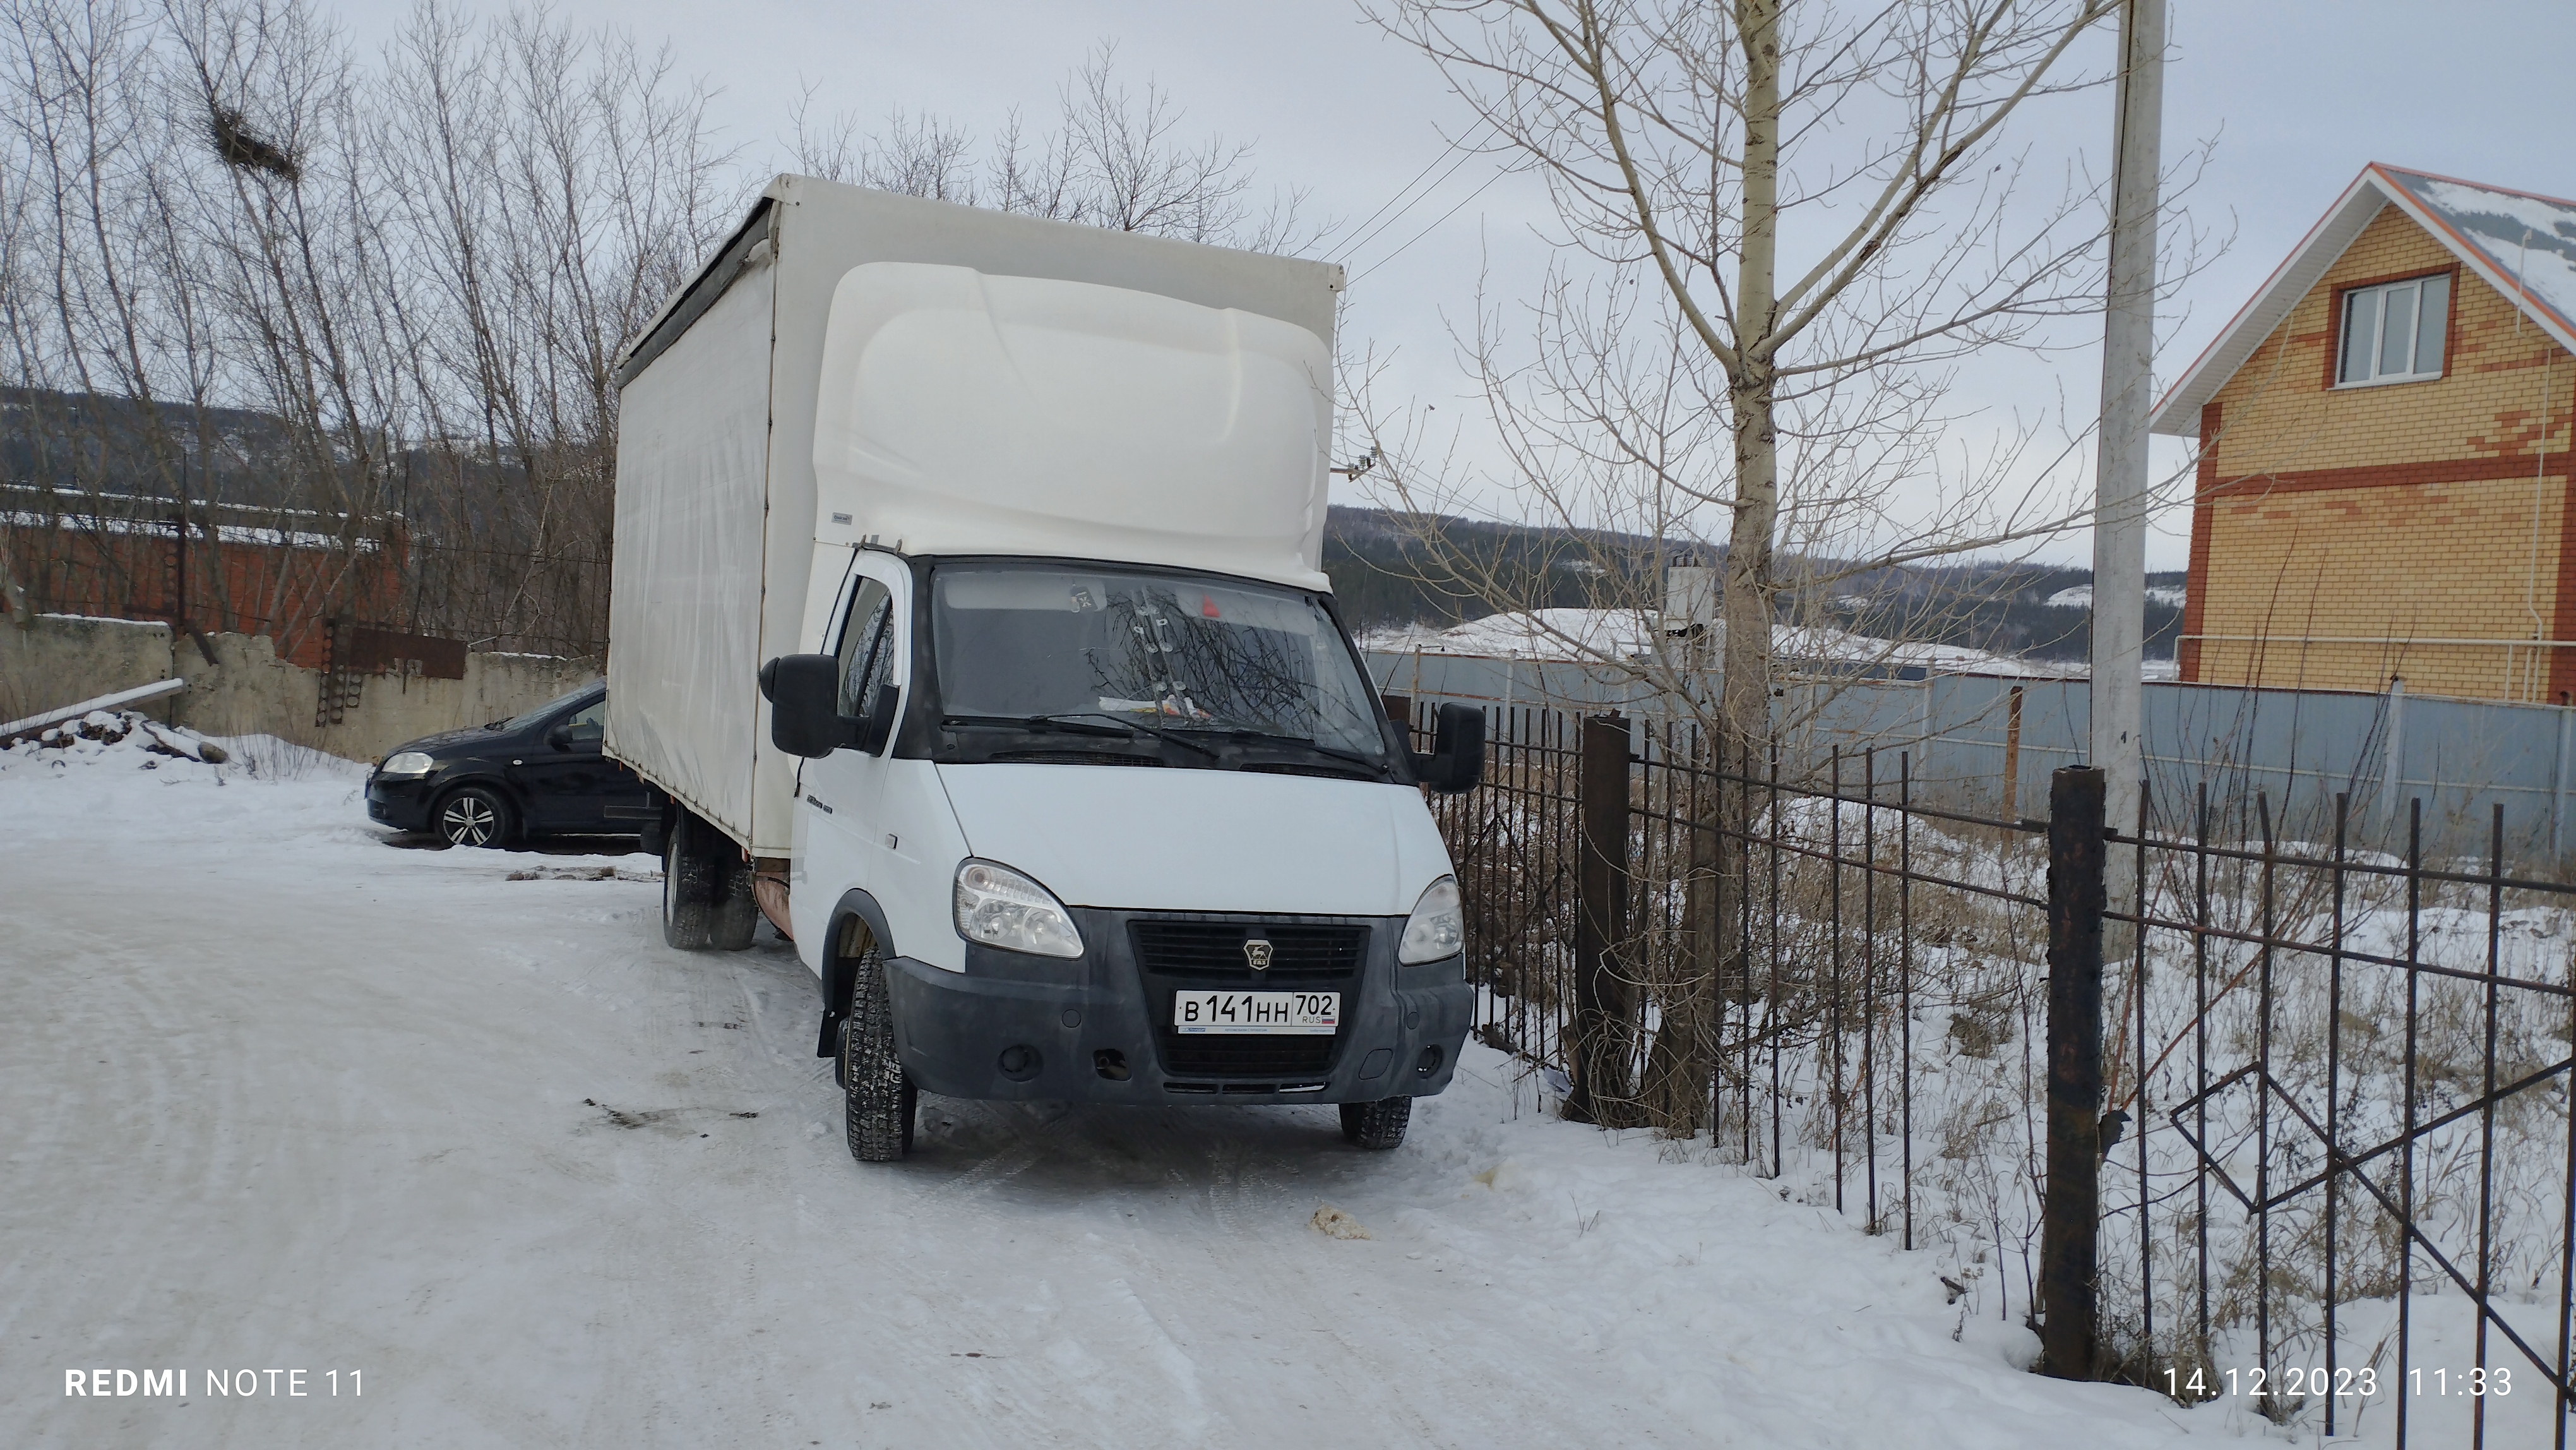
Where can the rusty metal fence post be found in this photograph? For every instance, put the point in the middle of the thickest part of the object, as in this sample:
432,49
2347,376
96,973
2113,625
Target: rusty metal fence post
1604,998
2070,1214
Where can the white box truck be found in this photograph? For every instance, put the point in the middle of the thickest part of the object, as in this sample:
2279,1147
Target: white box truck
968,620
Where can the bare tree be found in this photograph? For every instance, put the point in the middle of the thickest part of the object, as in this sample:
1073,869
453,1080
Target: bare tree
378,295
553,186
1116,158
1783,225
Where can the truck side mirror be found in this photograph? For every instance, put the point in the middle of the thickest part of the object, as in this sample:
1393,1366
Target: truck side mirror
804,706
1457,758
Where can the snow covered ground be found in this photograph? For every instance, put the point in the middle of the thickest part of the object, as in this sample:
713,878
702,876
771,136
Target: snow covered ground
285,1095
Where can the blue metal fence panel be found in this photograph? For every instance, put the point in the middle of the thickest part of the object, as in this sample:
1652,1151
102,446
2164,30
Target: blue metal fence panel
2293,751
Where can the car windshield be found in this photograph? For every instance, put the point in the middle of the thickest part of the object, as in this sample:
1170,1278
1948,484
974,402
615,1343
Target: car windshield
522,722
1158,651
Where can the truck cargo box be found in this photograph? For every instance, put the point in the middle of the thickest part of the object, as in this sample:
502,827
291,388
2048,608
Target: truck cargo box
854,365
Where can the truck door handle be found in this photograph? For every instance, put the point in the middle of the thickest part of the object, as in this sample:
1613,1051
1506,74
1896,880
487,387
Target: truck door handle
817,802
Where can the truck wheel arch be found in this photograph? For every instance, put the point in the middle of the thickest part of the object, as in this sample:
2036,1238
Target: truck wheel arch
855,908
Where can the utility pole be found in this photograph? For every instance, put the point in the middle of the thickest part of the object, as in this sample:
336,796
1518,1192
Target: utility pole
2120,473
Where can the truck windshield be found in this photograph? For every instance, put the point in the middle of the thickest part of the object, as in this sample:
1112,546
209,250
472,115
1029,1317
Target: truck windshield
1162,652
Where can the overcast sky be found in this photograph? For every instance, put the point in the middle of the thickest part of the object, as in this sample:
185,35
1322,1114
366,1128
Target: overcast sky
2300,93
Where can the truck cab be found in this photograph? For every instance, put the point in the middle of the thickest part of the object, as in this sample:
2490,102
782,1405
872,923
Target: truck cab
1114,833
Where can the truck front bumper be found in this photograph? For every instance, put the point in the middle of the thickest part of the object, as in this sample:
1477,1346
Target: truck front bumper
1098,1029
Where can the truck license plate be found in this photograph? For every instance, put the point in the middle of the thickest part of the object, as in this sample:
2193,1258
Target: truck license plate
1307,1014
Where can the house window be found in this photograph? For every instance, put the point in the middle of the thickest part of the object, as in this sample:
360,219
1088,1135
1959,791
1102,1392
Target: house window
2394,333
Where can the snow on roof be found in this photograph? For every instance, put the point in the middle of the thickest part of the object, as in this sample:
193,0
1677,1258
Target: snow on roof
1592,635
2081,597
2530,239
1537,634
2521,244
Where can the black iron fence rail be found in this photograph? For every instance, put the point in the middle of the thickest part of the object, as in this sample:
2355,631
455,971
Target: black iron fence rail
2335,1085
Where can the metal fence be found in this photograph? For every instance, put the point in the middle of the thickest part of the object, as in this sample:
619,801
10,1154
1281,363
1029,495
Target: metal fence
2324,1156
1985,744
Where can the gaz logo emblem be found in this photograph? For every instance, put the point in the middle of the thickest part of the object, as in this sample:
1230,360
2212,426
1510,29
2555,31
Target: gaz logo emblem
1257,952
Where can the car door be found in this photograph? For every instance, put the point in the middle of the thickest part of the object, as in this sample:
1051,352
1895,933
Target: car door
843,836
561,774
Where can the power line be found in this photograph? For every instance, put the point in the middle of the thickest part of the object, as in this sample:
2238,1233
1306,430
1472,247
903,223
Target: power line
1498,175
1344,252
1398,215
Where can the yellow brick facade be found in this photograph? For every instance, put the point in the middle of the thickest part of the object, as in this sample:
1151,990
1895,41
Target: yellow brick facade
2341,533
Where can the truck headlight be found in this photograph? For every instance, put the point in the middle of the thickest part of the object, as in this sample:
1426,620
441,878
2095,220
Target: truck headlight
999,907
1437,928
407,762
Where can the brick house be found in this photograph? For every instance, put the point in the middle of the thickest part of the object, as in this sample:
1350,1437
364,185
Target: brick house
2383,487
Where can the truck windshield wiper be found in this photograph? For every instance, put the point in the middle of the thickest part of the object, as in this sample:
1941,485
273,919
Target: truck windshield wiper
1300,742
1078,722
1035,722
1131,727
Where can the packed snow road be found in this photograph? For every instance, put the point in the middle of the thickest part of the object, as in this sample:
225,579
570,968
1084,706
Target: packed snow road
284,1096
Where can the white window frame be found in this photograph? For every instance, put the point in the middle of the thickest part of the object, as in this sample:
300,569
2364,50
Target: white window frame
2375,298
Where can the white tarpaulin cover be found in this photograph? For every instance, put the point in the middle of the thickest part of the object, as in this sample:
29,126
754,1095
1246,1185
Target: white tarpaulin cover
685,583
961,413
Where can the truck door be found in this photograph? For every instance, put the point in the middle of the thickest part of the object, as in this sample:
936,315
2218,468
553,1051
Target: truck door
840,826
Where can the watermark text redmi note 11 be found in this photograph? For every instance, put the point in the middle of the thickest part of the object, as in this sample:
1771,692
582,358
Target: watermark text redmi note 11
245,1384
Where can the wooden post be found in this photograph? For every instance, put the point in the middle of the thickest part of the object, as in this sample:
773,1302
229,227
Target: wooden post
1604,998
1399,708
2070,1212
2012,755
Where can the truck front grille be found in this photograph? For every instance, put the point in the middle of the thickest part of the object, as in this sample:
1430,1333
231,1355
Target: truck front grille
1200,954
1303,953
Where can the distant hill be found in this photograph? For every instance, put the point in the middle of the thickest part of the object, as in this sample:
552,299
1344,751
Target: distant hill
1385,578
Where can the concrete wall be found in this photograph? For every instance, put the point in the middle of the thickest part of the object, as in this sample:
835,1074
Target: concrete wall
62,659
249,690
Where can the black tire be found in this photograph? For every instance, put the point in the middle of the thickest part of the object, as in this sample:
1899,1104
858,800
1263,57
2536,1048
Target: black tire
877,1096
734,917
688,887
1378,1125
474,816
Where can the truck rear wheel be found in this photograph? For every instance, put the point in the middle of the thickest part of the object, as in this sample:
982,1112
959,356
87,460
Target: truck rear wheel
735,917
877,1096
1377,1125
689,884
706,889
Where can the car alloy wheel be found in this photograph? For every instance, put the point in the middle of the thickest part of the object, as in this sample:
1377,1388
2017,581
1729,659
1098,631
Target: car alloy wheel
471,818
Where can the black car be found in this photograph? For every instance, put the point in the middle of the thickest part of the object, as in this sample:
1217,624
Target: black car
541,773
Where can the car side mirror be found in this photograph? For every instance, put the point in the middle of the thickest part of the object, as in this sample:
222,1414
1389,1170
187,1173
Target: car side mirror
804,704
560,737
1457,758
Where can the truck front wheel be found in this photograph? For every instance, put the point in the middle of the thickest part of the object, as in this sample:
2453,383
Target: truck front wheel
877,1096
1379,1124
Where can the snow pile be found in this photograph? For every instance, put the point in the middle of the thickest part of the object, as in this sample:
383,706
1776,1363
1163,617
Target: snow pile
126,737
128,740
